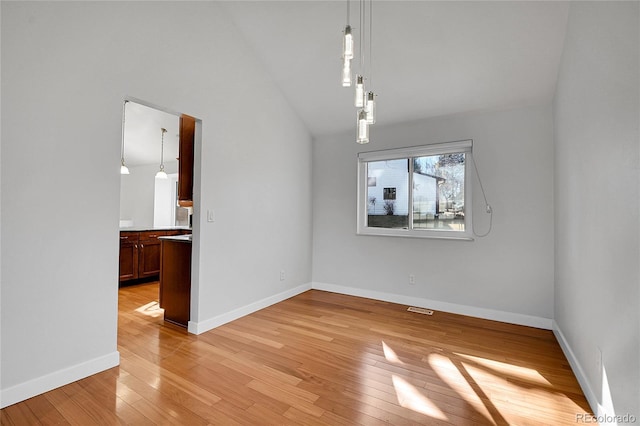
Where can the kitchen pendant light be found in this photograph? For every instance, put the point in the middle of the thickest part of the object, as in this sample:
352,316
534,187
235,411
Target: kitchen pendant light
124,170
362,133
161,173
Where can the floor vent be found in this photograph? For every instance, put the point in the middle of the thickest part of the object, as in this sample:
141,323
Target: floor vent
420,310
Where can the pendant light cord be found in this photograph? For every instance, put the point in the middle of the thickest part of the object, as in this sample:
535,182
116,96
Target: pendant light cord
370,44
162,149
488,208
348,11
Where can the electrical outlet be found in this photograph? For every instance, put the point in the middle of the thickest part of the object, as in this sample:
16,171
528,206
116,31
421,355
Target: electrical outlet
282,275
211,215
412,279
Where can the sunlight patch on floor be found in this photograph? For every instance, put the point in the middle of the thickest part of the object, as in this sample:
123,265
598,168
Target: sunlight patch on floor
390,354
151,309
449,373
522,373
410,397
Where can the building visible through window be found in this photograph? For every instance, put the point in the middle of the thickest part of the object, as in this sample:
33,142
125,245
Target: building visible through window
418,191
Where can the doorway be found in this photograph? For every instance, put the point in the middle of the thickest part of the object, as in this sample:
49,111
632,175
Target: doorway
154,206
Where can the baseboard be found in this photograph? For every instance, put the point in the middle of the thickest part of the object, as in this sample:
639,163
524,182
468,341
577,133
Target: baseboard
56,379
490,314
211,323
578,371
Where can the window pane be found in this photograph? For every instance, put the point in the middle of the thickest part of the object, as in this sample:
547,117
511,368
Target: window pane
387,199
438,192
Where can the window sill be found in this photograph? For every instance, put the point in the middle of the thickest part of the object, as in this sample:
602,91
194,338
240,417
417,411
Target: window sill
413,234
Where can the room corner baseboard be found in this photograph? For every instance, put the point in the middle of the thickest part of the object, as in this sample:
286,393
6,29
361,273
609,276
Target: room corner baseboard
56,379
490,314
578,371
211,323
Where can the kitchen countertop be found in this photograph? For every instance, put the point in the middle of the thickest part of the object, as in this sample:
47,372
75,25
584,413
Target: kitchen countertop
178,238
151,228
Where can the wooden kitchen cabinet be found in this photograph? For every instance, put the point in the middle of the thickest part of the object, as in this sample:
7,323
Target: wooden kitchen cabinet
185,160
149,253
128,256
175,281
140,253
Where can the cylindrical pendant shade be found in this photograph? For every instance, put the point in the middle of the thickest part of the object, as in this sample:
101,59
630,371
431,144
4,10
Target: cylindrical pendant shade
346,73
370,108
362,129
347,44
359,95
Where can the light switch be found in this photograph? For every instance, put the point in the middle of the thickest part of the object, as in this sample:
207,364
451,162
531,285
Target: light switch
210,216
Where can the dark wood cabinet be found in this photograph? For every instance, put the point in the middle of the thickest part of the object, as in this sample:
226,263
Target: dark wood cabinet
175,281
149,254
140,253
128,256
185,160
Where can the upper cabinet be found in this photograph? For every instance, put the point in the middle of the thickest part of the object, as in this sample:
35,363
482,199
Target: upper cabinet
185,160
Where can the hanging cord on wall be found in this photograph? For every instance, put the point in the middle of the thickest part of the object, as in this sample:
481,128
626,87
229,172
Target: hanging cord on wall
488,208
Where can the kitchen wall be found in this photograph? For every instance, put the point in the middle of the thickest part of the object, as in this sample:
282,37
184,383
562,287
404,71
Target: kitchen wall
507,275
597,205
68,66
137,191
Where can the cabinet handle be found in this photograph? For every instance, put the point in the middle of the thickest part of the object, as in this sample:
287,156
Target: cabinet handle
135,246
141,246
124,238
153,236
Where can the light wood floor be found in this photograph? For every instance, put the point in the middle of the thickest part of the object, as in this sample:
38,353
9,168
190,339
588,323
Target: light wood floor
318,358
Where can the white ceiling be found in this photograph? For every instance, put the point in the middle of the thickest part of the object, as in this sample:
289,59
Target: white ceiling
143,137
428,59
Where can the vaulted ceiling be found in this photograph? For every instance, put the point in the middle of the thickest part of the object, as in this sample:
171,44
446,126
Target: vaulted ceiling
428,58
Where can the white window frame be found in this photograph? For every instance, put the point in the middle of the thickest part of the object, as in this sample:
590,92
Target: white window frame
465,146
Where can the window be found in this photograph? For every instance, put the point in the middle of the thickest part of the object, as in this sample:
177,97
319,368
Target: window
418,191
389,193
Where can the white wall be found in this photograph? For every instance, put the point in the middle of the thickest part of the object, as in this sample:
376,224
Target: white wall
597,206
68,66
137,191
509,271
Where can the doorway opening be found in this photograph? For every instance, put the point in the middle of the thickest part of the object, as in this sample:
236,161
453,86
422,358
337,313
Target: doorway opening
157,210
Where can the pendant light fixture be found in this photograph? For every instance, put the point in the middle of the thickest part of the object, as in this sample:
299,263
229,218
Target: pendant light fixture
370,108
161,173
347,52
346,73
124,170
362,128
363,100
359,93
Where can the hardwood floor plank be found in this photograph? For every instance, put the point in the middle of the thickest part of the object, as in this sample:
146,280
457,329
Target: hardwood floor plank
318,358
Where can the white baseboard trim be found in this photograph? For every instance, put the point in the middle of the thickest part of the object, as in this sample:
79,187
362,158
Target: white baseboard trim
578,371
56,379
490,314
211,323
